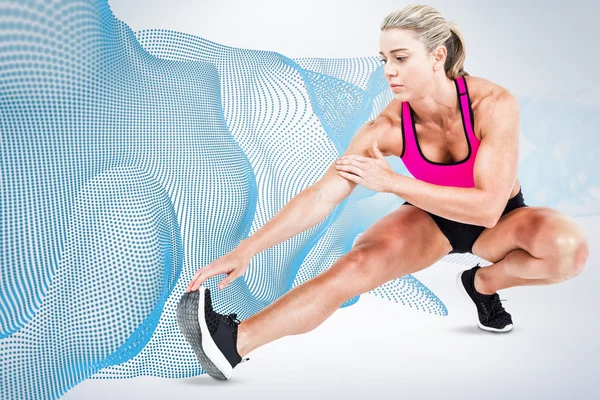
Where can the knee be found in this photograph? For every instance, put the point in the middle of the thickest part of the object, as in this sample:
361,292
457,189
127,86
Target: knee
571,252
356,262
579,256
360,270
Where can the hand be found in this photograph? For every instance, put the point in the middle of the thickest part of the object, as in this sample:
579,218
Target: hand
234,264
373,173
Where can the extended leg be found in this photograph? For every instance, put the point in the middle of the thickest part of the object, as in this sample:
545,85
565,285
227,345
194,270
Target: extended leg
405,241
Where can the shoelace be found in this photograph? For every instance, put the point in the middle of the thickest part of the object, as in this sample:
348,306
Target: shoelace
493,306
230,320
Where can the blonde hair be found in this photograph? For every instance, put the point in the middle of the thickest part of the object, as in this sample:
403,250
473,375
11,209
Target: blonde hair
432,30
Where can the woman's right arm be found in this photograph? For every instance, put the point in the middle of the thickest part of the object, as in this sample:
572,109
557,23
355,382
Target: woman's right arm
309,207
313,204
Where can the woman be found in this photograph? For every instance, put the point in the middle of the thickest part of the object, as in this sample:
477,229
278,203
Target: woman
459,137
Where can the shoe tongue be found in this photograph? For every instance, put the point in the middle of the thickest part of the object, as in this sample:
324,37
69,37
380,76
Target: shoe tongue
225,318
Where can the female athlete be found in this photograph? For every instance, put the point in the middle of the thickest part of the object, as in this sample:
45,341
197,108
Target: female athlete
458,135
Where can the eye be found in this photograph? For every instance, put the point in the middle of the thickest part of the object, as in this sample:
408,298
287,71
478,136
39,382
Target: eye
401,59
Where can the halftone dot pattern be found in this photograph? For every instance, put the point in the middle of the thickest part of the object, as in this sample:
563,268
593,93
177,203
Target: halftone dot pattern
339,98
121,259
130,160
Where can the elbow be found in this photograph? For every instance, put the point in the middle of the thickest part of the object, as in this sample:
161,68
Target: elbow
491,211
491,219
490,223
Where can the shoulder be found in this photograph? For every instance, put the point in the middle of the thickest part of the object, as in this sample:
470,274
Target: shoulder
486,92
490,100
388,127
383,129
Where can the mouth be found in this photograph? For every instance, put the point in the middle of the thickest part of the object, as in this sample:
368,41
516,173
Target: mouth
394,85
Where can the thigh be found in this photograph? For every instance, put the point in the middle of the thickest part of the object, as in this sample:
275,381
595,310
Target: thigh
528,228
405,241
460,236
511,232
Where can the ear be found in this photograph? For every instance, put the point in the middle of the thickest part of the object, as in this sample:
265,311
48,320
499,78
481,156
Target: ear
439,57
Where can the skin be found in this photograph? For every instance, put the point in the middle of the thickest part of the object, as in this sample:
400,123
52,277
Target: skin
528,246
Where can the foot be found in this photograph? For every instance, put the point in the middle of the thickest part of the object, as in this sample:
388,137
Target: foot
492,316
213,336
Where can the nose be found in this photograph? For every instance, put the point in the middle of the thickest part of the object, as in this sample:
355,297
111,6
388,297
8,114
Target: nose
388,70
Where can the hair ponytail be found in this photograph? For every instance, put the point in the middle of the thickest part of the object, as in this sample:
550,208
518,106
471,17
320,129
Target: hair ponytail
432,30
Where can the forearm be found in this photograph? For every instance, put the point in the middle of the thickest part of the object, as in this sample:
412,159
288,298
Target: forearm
466,205
303,211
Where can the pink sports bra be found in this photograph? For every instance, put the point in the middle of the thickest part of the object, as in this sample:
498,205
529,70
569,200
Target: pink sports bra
458,173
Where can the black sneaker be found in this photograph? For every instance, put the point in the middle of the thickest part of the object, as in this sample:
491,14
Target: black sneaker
213,336
492,316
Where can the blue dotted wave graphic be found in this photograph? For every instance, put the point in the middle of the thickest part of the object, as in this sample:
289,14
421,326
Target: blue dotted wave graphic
130,160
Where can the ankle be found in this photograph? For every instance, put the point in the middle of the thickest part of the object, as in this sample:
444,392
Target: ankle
242,340
480,283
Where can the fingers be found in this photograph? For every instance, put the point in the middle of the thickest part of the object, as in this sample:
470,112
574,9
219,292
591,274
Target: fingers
350,177
196,275
200,271
351,157
353,163
376,151
205,274
226,281
202,275
350,168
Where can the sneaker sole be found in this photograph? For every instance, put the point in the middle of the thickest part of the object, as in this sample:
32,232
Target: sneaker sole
192,322
461,288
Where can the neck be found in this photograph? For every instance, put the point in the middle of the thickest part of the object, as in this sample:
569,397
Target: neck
437,105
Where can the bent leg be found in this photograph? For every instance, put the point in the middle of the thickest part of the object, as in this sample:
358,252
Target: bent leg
404,241
530,246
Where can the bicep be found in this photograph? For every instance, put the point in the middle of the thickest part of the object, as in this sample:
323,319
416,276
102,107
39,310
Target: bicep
335,188
495,169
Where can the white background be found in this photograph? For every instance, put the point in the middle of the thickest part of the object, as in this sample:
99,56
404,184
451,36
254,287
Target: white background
377,348
538,48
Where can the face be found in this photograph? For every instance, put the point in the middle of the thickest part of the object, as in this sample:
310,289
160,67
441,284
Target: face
413,67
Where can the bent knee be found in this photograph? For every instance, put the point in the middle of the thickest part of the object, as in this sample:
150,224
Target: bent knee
572,253
579,257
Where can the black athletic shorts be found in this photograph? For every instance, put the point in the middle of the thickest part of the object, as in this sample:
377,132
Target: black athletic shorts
462,236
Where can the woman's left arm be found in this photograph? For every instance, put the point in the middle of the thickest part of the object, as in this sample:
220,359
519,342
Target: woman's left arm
495,171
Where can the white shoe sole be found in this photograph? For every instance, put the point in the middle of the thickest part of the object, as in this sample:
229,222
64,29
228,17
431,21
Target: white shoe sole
462,289
191,321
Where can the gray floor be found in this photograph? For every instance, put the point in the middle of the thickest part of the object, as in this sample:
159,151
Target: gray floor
383,349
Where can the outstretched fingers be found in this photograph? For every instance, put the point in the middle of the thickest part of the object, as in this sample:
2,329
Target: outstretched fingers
201,275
